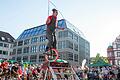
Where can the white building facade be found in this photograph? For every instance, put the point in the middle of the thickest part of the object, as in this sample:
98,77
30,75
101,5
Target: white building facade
6,44
71,44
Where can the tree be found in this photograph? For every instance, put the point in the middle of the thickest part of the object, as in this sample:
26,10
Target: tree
98,57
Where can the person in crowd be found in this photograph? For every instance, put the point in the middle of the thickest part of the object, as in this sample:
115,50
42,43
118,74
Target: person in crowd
118,75
14,70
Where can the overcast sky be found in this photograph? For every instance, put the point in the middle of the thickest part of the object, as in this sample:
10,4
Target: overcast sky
99,20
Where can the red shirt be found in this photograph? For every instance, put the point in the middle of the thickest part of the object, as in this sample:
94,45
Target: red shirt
50,17
5,64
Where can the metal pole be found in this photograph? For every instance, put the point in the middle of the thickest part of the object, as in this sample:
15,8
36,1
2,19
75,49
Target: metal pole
48,6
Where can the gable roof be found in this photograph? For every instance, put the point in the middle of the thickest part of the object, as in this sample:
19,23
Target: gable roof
6,37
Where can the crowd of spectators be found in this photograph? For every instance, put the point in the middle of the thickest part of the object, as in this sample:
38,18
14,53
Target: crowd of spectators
99,73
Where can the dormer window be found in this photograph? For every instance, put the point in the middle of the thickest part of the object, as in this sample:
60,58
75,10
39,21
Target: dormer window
3,38
8,39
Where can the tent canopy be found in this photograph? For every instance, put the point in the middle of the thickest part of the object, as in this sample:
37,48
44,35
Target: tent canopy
100,63
61,61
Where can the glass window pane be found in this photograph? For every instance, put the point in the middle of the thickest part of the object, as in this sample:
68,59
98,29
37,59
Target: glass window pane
0,51
19,51
75,47
70,56
76,38
118,45
42,38
13,58
26,50
19,59
25,58
70,35
33,58
42,47
20,43
76,57
118,54
1,44
14,52
6,45
34,40
15,44
26,41
34,49
41,58
5,52
69,44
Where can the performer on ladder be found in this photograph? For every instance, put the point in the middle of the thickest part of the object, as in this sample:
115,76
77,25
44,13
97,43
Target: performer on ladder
50,32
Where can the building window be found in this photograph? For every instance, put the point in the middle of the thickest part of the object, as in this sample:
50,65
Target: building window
19,51
63,34
3,38
42,47
20,43
61,45
33,49
1,44
110,54
10,53
0,51
118,54
81,41
6,45
60,34
13,58
118,45
75,47
76,38
15,44
34,40
11,46
26,50
14,52
70,56
42,38
41,58
25,58
69,44
19,59
26,42
8,39
33,58
5,52
76,57
70,34
118,62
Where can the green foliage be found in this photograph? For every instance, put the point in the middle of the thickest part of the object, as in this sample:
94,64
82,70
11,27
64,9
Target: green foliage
98,57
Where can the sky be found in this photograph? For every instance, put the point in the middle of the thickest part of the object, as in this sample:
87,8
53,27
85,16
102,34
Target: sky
99,20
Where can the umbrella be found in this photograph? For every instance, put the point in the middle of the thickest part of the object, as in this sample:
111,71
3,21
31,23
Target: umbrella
61,61
1,60
100,62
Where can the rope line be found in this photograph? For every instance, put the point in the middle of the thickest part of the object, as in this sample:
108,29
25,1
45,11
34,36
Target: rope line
55,7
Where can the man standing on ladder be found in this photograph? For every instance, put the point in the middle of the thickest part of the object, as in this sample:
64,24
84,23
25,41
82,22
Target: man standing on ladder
50,32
